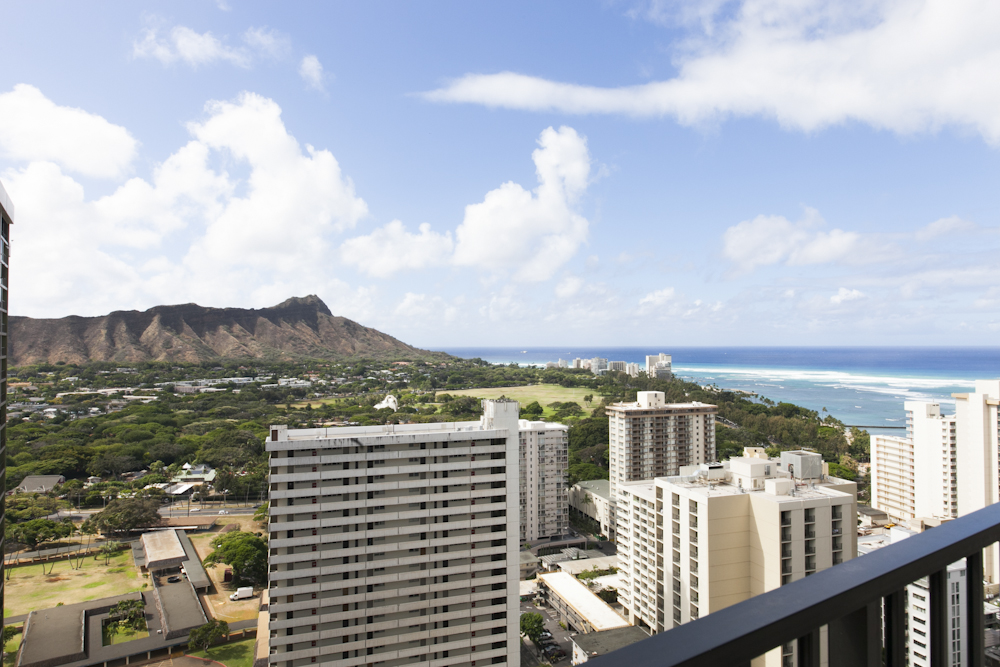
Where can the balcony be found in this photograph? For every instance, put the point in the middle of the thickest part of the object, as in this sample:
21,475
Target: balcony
850,599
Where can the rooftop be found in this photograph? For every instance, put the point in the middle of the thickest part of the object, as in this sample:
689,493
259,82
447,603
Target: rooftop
598,487
163,550
600,643
591,608
528,425
645,488
579,565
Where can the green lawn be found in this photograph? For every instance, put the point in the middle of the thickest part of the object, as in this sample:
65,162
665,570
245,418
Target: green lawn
28,589
11,650
237,654
121,637
543,393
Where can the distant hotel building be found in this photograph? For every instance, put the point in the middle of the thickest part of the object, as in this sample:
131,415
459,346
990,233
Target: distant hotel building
659,366
651,438
544,497
721,533
6,220
397,544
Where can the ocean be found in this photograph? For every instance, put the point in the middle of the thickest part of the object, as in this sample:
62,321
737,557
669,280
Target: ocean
861,386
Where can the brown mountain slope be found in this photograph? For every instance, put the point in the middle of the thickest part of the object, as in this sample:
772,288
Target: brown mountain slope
296,328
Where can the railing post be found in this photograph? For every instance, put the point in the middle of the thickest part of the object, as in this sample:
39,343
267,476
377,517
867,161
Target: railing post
856,639
974,621
809,649
895,629
938,582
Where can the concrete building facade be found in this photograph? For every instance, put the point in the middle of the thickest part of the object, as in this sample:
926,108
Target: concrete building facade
6,220
395,544
925,459
724,532
652,438
544,465
592,498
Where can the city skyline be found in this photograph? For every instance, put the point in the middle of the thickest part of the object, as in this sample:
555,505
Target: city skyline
584,172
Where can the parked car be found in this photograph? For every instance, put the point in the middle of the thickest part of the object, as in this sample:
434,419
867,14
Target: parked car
545,633
173,580
223,511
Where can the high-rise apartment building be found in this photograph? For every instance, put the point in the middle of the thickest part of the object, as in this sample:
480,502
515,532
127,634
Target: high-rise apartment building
693,544
544,496
925,459
651,438
396,545
6,220
659,366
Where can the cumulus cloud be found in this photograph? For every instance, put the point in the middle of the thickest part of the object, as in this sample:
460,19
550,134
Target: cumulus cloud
528,234
770,239
422,307
263,237
391,248
808,64
34,128
311,71
658,298
531,233
182,44
844,294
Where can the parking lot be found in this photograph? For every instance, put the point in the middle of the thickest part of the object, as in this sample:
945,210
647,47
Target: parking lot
561,636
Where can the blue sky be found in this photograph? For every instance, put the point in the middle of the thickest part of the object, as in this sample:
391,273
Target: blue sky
587,173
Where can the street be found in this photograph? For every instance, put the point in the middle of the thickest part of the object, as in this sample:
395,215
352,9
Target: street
561,636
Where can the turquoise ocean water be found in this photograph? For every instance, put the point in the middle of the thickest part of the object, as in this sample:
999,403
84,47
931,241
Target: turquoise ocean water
863,386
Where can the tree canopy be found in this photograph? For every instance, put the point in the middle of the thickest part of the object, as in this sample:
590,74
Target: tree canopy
204,636
124,515
245,553
37,531
532,625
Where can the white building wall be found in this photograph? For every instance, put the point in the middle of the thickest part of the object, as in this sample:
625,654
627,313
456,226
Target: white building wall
395,544
544,465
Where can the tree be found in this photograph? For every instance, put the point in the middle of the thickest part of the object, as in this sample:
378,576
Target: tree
35,532
124,515
9,631
204,636
532,409
28,506
245,553
129,614
532,625
261,513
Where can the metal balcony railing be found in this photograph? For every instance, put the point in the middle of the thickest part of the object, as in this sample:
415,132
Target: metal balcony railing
849,599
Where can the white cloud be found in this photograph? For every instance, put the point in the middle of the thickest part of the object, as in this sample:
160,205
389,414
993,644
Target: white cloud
658,298
391,248
770,239
949,225
569,286
34,128
182,44
844,294
311,71
531,233
421,307
266,41
807,64
263,238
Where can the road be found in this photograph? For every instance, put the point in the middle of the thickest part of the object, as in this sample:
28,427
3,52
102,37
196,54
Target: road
561,636
176,509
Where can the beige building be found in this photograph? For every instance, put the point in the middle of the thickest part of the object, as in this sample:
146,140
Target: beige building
659,365
576,606
395,545
544,497
724,532
592,498
651,438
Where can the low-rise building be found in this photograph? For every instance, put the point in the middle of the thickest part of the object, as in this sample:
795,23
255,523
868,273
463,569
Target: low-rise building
596,644
39,483
592,499
576,606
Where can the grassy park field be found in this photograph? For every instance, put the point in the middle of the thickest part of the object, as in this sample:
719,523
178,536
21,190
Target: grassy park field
543,393
223,608
29,588
236,654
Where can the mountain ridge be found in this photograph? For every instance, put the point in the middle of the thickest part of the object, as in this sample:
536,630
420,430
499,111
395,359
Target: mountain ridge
298,327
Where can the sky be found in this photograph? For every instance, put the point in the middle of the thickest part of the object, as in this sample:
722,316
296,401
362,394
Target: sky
613,173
